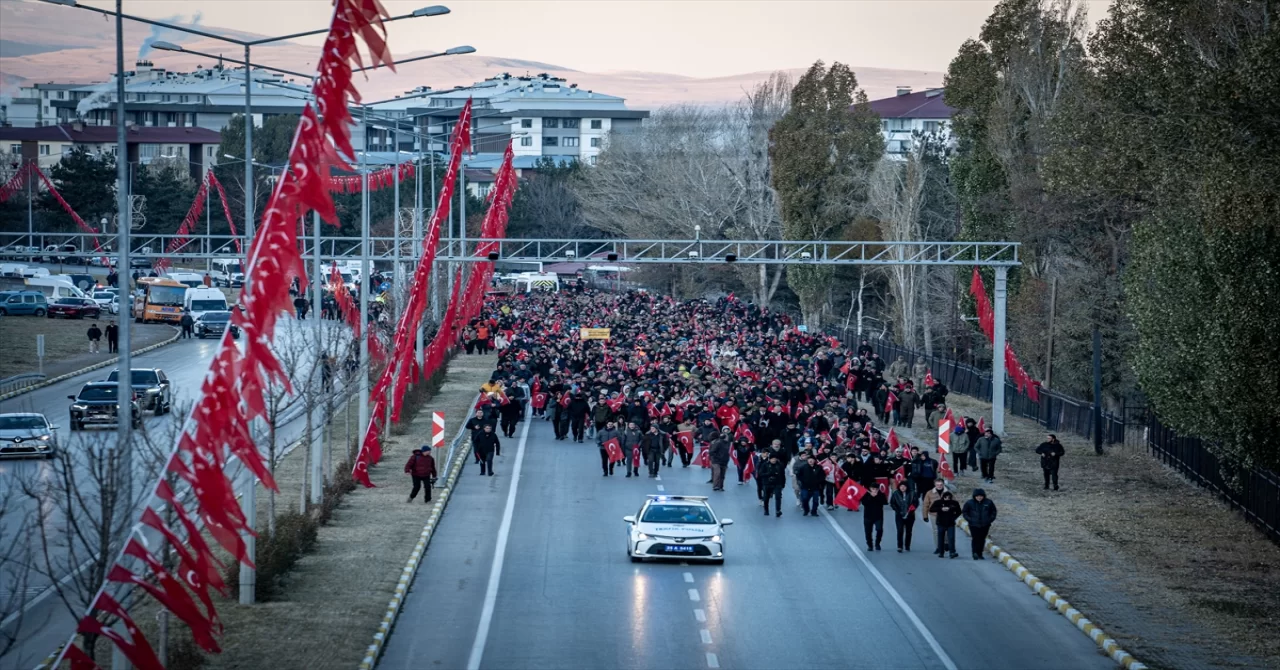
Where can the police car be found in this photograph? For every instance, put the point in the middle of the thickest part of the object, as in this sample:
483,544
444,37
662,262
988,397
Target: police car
681,527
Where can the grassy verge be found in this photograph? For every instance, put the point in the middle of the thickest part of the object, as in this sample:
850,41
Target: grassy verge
1174,575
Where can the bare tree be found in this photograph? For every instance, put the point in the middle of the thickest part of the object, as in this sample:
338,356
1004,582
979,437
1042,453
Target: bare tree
896,197
15,566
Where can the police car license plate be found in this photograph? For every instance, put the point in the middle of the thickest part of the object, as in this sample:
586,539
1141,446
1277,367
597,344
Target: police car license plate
678,548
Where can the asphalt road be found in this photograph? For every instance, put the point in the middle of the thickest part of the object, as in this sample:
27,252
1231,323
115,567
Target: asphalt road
185,362
793,592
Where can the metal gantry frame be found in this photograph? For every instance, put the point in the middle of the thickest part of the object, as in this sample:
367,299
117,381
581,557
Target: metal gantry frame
998,255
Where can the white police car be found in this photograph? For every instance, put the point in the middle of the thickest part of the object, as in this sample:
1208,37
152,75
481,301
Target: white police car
681,527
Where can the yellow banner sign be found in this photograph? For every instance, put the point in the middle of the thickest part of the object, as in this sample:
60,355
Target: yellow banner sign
594,333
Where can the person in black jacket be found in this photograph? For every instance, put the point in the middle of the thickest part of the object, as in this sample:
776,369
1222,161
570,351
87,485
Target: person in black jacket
873,515
578,409
485,444
653,444
980,513
719,453
904,514
476,425
1051,452
945,511
510,416
773,475
812,479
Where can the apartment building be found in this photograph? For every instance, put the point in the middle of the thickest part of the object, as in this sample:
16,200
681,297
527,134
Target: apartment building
47,144
908,114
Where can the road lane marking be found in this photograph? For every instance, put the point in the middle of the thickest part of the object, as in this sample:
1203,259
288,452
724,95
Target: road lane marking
693,595
706,636
712,661
700,615
688,577
661,488
659,477
893,593
499,556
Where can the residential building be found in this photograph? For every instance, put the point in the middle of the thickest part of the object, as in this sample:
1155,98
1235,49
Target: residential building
47,144
539,116
908,114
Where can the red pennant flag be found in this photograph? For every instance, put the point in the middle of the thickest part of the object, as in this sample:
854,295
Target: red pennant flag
899,475
945,468
704,457
614,449
982,425
893,441
190,569
135,648
539,400
749,470
79,659
850,495
208,564
635,456
883,483
169,593
928,379
890,402
685,438
360,472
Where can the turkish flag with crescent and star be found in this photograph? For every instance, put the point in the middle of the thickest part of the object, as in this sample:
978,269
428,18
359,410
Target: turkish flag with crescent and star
850,495
614,448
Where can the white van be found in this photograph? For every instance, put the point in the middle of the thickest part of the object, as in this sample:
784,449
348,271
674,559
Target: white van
12,269
189,279
203,299
227,272
55,288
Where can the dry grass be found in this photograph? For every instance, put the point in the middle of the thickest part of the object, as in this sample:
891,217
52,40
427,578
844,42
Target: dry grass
1164,567
66,344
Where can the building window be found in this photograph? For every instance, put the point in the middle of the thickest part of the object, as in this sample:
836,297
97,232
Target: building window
526,141
596,124
591,160
570,123
569,142
15,149
148,150
62,95
209,151
595,142
551,123
932,126
551,141
526,123
166,98
44,150
184,98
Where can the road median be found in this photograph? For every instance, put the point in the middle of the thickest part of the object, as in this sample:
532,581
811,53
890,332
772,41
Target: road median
90,368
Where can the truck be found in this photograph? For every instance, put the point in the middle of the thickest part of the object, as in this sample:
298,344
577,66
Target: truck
203,299
528,282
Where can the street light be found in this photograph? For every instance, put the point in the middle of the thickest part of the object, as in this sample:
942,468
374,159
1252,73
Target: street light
452,51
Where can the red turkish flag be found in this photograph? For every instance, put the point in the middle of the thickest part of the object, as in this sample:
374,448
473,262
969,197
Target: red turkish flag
685,438
209,564
893,441
564,400
829,468
890,402
614,448
704,457
189,568
883,483
169,593
982,425
360,472
745,431
615,404
945,468
850,495
728,416
539,400
79,660
135,648
635,456
749,470
928,379
899,475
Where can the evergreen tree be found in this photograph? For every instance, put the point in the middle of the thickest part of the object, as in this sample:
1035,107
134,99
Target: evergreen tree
87,182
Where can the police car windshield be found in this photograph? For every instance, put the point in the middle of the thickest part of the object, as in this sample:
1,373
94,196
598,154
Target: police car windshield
660,513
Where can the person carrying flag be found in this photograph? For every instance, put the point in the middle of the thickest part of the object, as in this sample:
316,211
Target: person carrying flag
602,437
772,475
654,443
873,516
904,505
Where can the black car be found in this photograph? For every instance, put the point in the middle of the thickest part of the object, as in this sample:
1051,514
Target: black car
150,388
97,403
212,324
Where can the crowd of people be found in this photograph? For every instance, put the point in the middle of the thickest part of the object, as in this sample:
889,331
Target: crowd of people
732,388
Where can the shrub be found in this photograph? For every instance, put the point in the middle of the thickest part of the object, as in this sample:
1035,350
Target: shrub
276,553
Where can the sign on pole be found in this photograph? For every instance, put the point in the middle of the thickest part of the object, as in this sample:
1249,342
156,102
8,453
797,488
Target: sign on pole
594,333
437,430
40,351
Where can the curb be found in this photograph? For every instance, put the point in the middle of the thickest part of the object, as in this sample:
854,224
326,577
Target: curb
1105,642
91,368
415,560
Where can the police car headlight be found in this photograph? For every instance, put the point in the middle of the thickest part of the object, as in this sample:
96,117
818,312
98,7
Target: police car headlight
641,536
44,438
715,538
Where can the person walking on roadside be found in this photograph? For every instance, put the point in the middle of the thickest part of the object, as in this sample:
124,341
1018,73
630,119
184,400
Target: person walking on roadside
922,471
1051,452
773,474
602,436
980,513
188,324
113,338
510,416
654,445
904,506
812,479
485,444
422,468
476,425
873,516
95,336
631,439
989,448
719,458
945,511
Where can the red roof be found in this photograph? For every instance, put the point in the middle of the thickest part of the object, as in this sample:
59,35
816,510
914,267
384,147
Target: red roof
923,105
105,134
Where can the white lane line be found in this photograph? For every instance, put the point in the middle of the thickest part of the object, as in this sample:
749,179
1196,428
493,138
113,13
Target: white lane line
893,593
712,661
688,577
661,488
700,615
659,477
693,595
706,636
500,554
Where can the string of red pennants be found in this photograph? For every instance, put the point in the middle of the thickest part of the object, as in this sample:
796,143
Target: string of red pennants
19,180
986,321
190,221
378,180
234,390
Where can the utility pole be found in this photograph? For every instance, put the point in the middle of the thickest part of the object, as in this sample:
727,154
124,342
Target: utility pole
317,445
1053,310
1097,390
997,352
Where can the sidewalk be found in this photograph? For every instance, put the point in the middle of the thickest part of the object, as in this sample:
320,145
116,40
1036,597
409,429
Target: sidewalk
1174,576
337,595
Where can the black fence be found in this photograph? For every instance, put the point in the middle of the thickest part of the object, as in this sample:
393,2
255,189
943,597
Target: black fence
1255,492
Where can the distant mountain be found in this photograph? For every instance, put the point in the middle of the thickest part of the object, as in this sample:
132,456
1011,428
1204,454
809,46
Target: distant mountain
82,50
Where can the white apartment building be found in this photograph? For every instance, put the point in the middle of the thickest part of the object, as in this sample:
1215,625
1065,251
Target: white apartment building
906,114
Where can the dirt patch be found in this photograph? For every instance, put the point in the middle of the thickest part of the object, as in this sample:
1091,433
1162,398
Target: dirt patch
1178,578
66,343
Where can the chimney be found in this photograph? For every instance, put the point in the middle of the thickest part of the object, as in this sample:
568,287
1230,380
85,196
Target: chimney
77,126
904,90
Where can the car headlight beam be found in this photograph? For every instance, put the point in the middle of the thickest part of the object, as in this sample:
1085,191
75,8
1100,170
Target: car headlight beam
715,538
641,536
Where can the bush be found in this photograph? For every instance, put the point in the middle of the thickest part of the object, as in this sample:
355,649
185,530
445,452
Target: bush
276,553
340,485
183,652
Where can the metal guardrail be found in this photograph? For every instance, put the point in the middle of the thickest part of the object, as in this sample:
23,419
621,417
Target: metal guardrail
20,381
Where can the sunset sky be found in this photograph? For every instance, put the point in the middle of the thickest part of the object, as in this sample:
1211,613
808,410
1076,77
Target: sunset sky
700,38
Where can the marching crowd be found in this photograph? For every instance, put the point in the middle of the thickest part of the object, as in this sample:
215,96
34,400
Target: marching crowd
739,391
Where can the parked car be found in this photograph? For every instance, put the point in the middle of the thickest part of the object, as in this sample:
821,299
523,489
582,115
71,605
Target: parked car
31,272
84,282
97,403
74,308
20,303
11,269
213,324
107,300
27,434
151,388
